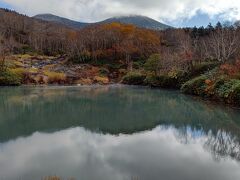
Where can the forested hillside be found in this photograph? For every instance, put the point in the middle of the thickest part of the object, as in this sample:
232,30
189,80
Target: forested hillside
200,61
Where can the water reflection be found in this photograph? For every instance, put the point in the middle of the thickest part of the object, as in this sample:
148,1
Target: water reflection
111,109
115,132
85,155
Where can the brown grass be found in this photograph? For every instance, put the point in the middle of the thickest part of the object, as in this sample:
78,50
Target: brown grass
55,77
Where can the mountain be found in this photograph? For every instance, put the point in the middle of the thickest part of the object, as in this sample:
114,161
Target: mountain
139,21
61,20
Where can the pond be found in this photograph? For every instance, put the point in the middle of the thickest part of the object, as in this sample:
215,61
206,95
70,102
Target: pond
115,132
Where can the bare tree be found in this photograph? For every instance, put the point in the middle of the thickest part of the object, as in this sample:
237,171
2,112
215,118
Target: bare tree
222,43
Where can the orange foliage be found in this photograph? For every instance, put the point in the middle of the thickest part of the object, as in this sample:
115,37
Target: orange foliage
114,42
127,32
72,35
122,28
208,82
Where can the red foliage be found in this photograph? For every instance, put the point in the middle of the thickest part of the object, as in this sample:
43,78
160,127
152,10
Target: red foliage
231,69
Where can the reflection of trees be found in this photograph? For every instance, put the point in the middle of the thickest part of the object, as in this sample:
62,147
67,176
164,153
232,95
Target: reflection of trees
223,145
109,110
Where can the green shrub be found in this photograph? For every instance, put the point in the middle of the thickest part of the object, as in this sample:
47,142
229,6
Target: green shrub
235,94
229,91
153,64
134,78
222,89
173,79
195,86
151,80
8,78
218,83
163,81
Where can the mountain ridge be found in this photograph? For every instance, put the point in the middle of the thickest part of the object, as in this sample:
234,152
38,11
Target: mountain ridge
61,20
137,20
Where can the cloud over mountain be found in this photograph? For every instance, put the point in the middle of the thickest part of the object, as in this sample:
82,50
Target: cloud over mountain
96,10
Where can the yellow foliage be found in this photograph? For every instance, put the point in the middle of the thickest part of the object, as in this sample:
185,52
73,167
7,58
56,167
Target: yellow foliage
55,76
173,74
24,56
23,70
101,80
18,63
18,71
32,70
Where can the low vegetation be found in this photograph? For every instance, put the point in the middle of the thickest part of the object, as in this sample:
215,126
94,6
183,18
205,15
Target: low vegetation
9,78
222,83
55,77
134,78
220,89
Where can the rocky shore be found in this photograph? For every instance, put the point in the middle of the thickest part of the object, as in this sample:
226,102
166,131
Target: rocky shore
37,70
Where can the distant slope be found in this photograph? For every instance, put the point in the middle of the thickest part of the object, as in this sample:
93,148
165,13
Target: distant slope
61,20
139,21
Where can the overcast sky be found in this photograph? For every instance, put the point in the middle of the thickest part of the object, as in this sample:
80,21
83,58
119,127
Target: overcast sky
173,12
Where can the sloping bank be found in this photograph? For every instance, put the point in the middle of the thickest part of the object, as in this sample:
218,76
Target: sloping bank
205,81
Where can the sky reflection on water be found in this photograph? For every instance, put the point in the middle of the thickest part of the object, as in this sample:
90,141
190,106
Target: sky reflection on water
161,153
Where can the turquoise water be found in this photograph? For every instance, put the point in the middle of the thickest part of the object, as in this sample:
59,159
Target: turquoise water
115,132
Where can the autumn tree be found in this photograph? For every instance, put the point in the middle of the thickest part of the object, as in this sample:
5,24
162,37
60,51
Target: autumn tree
133,43
154,64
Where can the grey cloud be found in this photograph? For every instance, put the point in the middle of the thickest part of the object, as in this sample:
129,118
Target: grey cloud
95,10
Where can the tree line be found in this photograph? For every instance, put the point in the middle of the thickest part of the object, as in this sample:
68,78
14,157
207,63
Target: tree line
118,43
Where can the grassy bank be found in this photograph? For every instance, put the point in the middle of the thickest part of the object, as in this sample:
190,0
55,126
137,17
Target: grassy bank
208,80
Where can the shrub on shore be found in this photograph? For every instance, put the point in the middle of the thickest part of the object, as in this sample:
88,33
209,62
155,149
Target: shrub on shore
195,86
9,78
229,91
174,79
221,89
134,78
162,81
